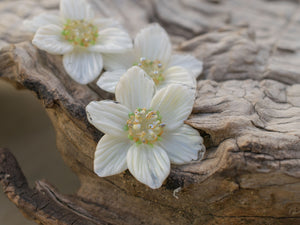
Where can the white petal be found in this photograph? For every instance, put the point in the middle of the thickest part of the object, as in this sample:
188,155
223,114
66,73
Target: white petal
188,62
41,20
49,38
112,40
109,80
178,75
110,155
102,23
76,10
119,61
183,145
83,66
153,43
149,165
175,103
135,89
108,116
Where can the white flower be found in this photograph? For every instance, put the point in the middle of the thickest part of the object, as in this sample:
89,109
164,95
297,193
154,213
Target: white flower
80,37
152,52
144,130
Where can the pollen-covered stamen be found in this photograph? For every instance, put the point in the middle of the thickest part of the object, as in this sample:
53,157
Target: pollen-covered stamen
153,68
144,126
80,32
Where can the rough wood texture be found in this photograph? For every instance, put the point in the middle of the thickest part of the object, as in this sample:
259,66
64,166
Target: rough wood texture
247,109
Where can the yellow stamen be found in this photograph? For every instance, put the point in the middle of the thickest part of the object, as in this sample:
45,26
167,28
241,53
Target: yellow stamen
80,32
153,68
144,126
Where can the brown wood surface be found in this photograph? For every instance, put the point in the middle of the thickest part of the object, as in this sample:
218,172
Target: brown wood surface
247,109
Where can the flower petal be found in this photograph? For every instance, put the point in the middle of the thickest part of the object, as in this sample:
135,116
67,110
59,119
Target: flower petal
108,116
135,89
49,38
109,80
76,10
110,155
83,66
119,61
41,20
102,23
153,43
149,165
112,40
188,62
178,75
183,145
174,103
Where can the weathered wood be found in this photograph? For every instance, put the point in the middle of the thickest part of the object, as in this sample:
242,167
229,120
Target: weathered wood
42,203
247,109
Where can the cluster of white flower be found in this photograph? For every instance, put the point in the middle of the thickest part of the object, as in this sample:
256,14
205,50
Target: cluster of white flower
154,90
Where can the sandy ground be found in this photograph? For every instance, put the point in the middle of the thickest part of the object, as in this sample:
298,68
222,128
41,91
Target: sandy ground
26,130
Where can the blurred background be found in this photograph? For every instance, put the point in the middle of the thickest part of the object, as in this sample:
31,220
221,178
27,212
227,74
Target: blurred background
27,131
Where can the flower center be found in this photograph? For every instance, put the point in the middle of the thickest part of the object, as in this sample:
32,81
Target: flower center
80,32
153,68
144,126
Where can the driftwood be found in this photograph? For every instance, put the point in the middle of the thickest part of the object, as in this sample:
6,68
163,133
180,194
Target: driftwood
247,109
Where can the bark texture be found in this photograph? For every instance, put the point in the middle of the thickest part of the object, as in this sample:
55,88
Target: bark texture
247,109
